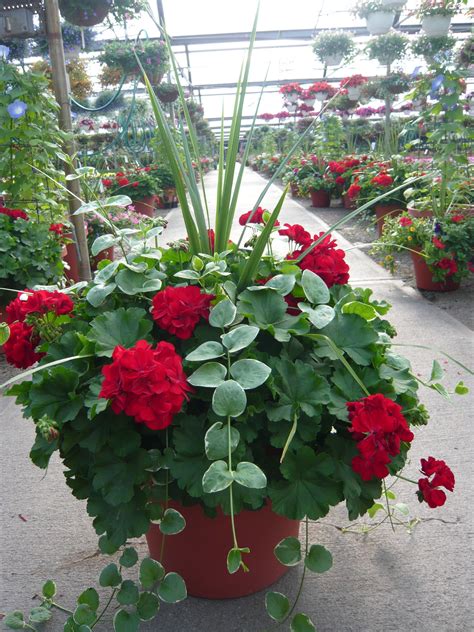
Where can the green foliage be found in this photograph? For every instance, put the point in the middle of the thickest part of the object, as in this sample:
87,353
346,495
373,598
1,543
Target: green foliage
328,43
387,48
153,55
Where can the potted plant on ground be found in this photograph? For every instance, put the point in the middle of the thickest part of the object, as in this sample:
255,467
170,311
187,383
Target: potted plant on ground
138,185
435,16
431,47
291,92
333,47
353,86
30,253
152,54
379,18
441,249
387,48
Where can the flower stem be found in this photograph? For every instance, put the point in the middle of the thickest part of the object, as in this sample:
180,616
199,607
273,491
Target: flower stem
404,478
388,506
105,608
56,605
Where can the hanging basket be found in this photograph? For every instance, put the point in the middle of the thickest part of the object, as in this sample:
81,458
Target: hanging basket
72,11
333,60
436,25
354,92
380,22
166,94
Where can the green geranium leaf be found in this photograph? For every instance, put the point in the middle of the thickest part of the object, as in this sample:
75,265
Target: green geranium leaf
319,559
98,293
15,620
223,314
277,605
172,588
315,289
319,316
298,386
122,327
208,375
49,589
90,597
151,572
353,335
110,576
288,551
129,557
84,615
265,307
216,441
172,522
367,312
302,623
128,593
309,489
126,621
217,477
147,606
240,337
229,399
54,394
4,333
250,475
206,351
250,373
40,614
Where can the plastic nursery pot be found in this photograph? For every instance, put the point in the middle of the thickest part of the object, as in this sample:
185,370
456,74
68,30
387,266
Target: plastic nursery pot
436,25
145,206
320,199
333,60
380,22
386,210
108,253
424,277
354,92
78,16
199,552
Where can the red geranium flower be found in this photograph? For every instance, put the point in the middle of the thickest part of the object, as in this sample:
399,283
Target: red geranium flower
145,383
340,180
135,184
20,346
428,490
38,302
405,221
457,218
123,182
296,233
378,426
383,180
178,310
57,228
448,264
438,243
353,191
325,260
14,213
107,182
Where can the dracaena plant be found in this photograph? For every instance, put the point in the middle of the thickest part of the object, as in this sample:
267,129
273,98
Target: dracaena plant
206,372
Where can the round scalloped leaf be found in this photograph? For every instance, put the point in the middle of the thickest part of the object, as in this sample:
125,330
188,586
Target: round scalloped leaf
288,551
319,559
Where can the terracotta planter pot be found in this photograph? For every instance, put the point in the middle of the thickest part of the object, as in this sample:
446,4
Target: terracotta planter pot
424,277
146,206
199,553
386,210
414,213
295,192
320,199
80,17
348,202
70,256
108,253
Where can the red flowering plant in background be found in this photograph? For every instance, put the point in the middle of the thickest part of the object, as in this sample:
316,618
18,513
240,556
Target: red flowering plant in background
291,89
136,183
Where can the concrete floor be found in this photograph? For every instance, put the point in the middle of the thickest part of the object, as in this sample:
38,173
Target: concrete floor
382,582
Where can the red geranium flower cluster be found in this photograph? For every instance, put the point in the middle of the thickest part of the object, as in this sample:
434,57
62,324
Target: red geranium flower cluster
289,88
14,213
23,340
325,260
428,490
145,383
257,217
438,243
178,310
382,180
296,233
58,229
38,302
322,86
405,221
341,166
354,81
379,427
449,265
354,190
457,218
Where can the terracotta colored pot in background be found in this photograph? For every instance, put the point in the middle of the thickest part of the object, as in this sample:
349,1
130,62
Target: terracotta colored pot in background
81,17
108,253
414,213
320,199
295,192
348,202
424,277
70,256
199,553
386,210
146,206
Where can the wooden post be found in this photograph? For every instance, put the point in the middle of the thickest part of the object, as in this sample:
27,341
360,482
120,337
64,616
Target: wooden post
60,84
388,122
